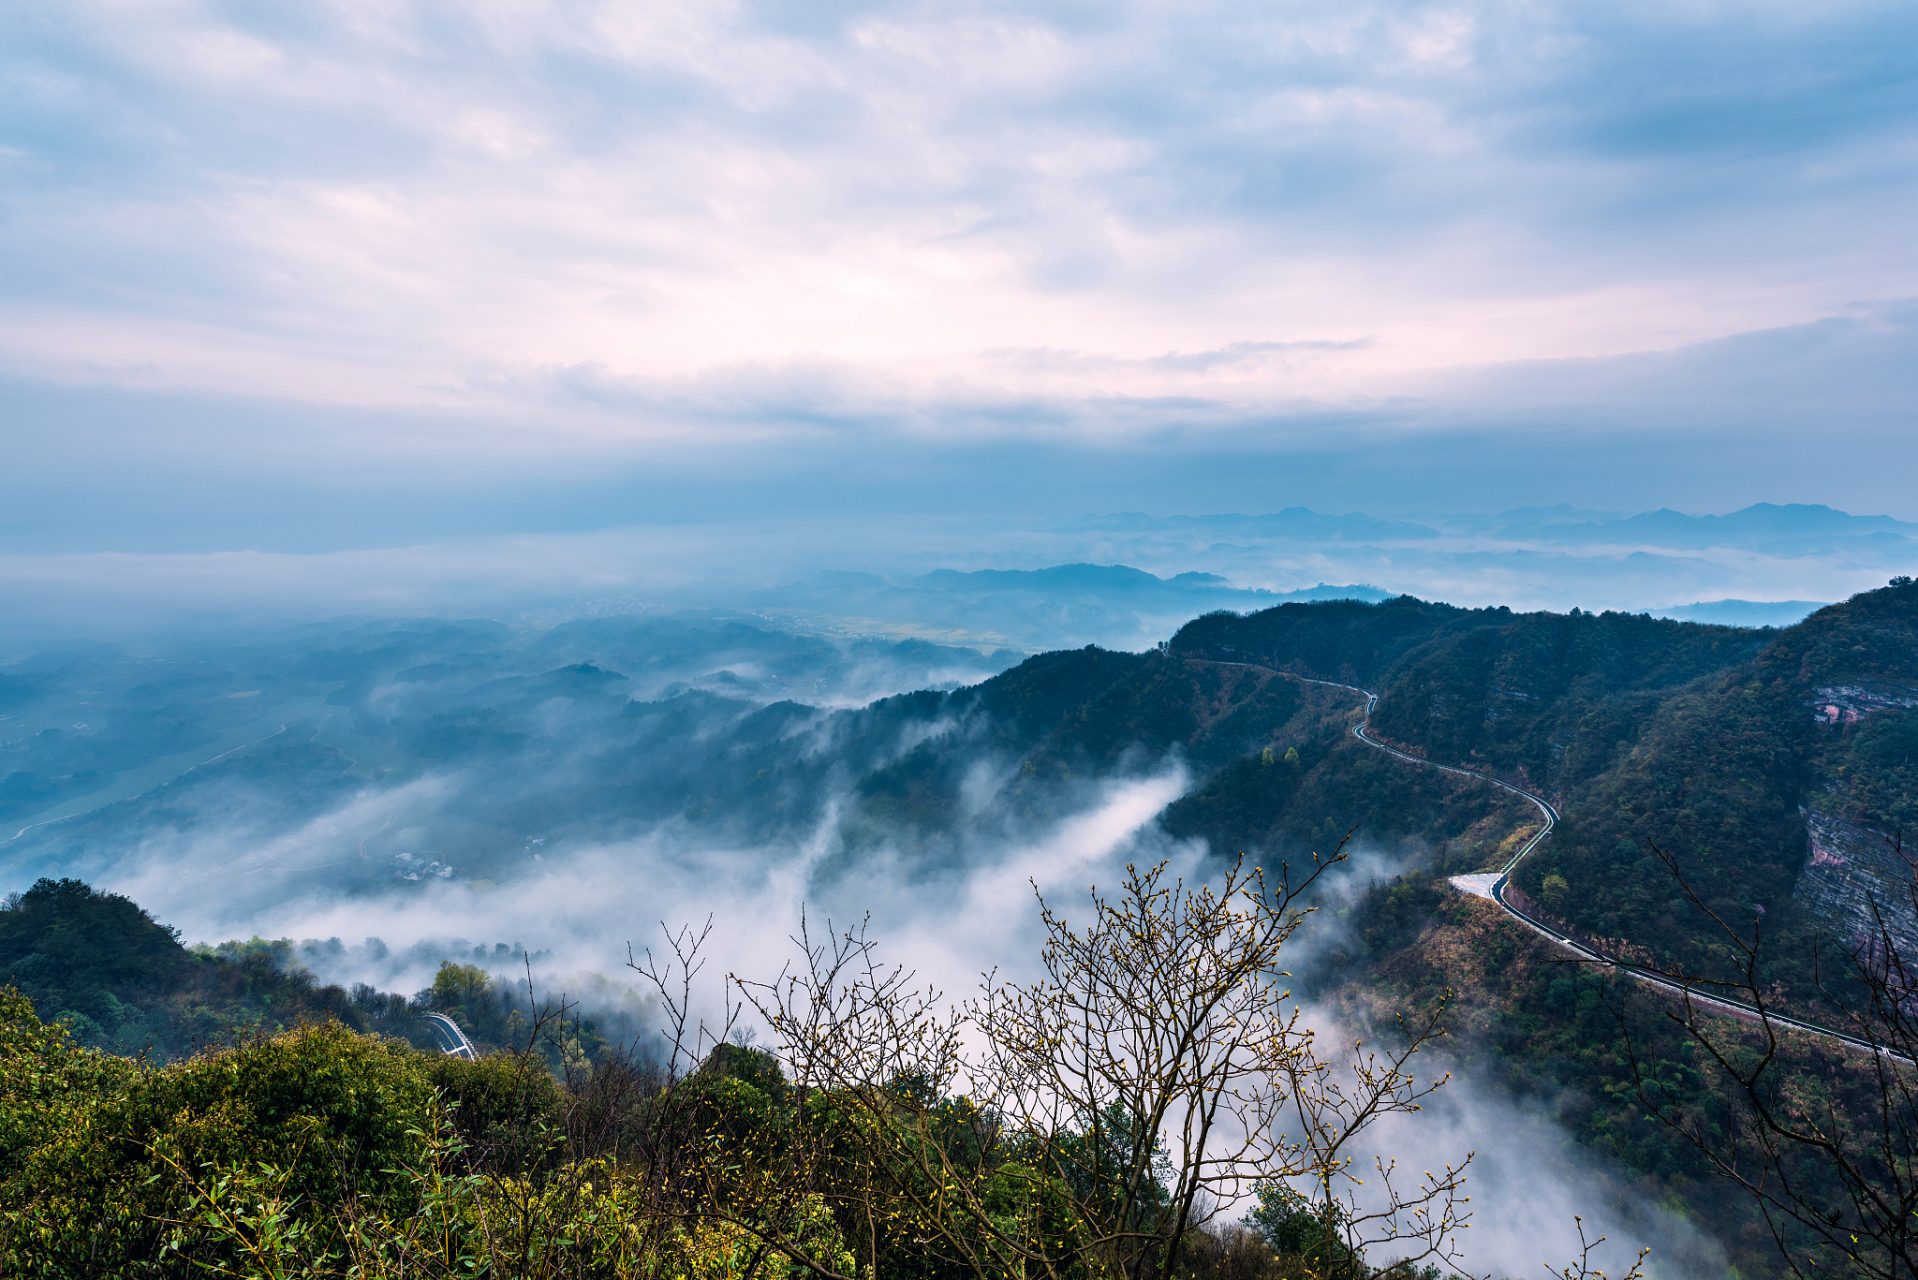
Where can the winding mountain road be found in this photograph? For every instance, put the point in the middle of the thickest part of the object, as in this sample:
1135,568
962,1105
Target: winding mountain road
1492,884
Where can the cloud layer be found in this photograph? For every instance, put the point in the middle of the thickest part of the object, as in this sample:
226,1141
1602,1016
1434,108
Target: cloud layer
535,258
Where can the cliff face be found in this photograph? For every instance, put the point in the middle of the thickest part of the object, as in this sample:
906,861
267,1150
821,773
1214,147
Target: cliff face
1856,875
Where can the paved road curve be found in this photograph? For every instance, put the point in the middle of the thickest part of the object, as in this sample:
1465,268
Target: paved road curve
1492,885
453,1041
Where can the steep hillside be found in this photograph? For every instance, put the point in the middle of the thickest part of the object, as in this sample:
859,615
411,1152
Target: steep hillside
1278,772
1545,696
1773,765
1779,781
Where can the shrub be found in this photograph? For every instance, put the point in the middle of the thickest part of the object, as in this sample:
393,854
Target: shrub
103,1157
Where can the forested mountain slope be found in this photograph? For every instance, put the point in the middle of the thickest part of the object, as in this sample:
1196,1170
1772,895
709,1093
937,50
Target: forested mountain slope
1716,745
1510,691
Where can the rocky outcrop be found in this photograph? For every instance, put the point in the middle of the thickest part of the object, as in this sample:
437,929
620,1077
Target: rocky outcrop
1852,871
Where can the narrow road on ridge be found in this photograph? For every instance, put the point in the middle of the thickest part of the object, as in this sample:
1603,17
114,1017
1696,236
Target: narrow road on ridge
1492,884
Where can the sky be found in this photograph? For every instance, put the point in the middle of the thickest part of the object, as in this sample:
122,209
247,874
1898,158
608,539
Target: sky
356,273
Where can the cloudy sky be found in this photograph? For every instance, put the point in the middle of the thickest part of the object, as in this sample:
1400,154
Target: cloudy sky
340,274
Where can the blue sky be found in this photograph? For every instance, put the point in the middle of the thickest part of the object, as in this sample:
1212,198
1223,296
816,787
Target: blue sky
345,274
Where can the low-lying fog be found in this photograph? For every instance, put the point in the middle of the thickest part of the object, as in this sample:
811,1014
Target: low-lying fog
578,904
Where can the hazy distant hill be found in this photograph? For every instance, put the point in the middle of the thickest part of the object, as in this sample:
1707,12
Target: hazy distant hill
1744,613
1113,605
1293,522
1120,579
1067,577
1795,527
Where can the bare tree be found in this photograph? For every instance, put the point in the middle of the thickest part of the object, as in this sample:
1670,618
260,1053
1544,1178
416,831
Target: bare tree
1082,1123
1818,1125
761,1177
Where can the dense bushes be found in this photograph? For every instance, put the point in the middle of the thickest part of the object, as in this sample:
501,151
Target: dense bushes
320,1152
105,1159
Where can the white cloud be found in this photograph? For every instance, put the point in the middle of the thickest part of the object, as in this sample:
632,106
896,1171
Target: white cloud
370,204
431,252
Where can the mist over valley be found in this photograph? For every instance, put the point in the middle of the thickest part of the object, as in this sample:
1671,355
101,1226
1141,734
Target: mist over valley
402,800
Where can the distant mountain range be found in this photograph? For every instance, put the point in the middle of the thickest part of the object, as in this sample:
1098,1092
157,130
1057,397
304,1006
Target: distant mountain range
1061,606
1118,605
1789,529
1200,590
1795,527
1119,578
1293,522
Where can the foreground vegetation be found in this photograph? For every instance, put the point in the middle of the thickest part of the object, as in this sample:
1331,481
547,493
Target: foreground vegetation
1109,1108
320,1151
